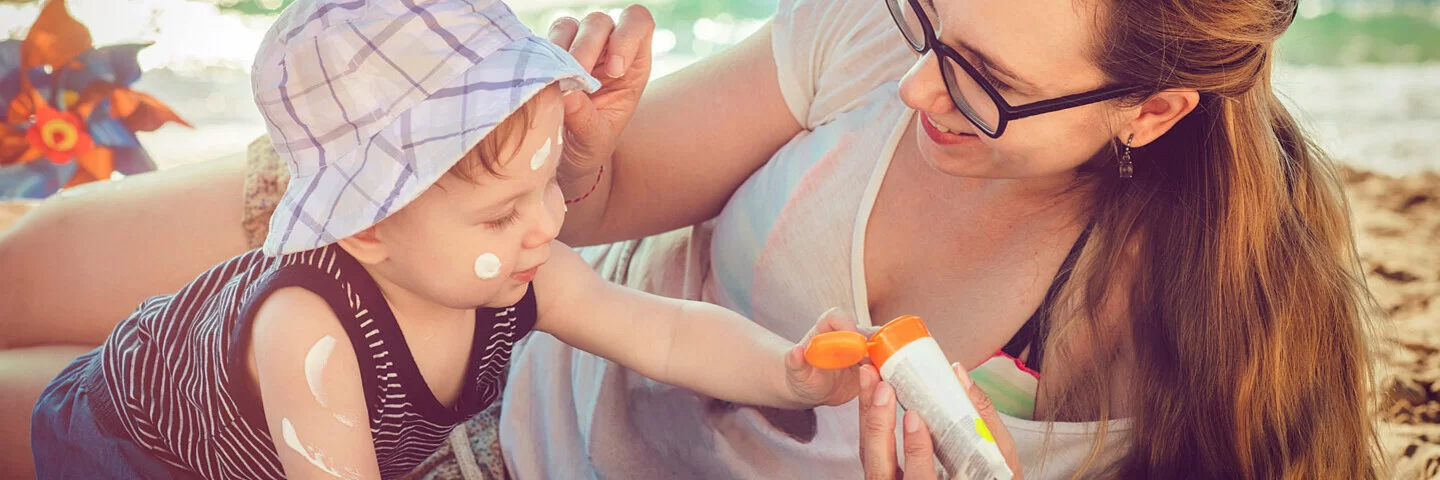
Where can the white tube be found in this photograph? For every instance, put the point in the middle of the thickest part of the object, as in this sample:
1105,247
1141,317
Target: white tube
925,383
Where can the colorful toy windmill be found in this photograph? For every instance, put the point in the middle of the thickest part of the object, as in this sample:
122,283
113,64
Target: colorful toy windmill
70,115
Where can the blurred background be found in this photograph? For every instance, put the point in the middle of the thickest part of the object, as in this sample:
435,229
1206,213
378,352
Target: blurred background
1364,74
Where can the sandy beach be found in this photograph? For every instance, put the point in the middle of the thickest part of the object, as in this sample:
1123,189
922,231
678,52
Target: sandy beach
1397,221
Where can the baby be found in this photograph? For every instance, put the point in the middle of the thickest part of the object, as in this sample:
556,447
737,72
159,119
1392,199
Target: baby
414,247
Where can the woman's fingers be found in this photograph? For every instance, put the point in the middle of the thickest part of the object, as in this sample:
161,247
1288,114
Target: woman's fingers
919,452
591,39
563,31
868,378
629,46
877,433
992,420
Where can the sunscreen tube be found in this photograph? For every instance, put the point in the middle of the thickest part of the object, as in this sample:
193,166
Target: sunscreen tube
910,360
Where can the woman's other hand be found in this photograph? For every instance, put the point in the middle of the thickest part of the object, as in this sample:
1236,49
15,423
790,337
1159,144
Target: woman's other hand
617,53
877,431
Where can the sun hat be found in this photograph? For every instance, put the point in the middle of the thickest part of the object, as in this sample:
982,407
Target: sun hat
369,102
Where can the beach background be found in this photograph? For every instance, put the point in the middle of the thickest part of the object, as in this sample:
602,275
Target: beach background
1362,75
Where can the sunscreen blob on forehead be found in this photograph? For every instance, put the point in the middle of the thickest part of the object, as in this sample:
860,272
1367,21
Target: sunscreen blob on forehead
541,156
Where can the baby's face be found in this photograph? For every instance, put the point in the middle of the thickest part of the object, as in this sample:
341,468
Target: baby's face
466,244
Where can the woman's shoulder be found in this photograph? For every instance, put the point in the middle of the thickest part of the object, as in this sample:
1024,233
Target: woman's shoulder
830,54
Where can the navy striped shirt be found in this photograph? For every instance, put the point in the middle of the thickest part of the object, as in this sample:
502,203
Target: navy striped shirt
177,376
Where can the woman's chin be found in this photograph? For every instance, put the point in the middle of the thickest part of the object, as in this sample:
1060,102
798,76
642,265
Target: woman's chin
957,164
970,159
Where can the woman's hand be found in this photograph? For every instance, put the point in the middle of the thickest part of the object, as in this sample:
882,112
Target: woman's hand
877,431
617,53
811,385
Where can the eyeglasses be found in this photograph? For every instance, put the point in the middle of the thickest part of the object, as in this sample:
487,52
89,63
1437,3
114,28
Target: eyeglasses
972,94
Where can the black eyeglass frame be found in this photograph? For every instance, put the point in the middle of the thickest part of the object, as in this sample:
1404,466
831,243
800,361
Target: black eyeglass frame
1007,112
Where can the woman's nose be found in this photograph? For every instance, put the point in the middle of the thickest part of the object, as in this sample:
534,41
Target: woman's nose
923,87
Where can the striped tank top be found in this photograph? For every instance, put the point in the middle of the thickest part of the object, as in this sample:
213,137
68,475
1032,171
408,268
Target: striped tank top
177,380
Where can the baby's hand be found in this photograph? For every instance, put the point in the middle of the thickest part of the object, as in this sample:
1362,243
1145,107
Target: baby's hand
815,386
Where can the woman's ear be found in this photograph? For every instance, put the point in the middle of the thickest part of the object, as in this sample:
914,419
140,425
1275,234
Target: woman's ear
365,246
1155,117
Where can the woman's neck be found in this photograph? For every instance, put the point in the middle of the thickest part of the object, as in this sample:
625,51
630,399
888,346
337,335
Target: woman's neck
1059,195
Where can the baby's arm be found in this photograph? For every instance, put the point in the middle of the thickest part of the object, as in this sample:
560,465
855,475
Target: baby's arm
696,345
309,381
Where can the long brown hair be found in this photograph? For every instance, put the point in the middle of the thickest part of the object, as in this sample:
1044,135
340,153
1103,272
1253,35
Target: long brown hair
1248,313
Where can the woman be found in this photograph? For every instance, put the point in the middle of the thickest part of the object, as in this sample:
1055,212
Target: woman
844,162
1225,255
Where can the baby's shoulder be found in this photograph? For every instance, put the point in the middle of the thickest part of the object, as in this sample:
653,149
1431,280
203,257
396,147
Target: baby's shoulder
292,320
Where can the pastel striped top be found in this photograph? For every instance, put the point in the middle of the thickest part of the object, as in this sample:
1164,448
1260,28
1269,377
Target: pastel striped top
788,244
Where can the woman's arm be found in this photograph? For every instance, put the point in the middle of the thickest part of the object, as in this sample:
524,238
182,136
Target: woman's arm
695,137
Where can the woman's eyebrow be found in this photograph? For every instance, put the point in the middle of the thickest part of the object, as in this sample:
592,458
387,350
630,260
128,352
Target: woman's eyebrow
990,62
995,66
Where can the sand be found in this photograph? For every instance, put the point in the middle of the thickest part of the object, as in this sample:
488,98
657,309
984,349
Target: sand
1398,228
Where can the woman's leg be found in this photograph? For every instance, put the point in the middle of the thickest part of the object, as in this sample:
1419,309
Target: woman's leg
24,373
80,262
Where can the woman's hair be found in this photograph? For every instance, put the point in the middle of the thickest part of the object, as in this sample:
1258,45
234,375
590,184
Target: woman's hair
1249,316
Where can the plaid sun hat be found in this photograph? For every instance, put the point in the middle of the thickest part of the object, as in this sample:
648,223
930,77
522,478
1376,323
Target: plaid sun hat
371,101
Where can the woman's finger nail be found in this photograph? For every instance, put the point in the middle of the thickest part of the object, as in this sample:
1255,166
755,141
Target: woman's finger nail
912,422
554,26
615,66
962,374
882,397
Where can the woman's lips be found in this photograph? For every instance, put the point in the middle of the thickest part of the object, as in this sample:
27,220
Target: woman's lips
944,138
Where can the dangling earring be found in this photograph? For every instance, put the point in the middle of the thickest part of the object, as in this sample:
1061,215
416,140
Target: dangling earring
1127,169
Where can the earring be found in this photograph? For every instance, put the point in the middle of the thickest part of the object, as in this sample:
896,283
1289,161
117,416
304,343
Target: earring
1127,169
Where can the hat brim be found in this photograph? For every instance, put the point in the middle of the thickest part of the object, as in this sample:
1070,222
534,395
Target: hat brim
393,167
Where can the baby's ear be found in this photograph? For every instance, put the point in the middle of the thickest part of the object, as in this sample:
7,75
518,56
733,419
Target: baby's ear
366,247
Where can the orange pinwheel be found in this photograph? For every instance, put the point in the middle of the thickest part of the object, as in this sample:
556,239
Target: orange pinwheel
71,103
16,146
60,135
140,112
54,40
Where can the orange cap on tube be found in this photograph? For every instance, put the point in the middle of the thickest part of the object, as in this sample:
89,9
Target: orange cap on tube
894,336
834,350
